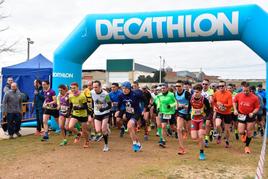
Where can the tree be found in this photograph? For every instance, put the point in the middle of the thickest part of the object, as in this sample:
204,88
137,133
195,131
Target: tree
154,79
4,46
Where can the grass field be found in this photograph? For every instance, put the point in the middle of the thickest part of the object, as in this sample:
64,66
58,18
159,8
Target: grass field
27,157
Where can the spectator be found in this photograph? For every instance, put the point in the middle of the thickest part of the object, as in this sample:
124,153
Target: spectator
38,105
12,110
8,85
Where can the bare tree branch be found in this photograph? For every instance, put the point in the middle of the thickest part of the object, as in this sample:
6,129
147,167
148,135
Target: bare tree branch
4,46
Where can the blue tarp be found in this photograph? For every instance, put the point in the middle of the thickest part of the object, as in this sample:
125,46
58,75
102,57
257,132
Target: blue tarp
26,72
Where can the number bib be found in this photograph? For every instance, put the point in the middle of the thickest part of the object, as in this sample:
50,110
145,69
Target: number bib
64,109
197,112
166,116
130,110
242,117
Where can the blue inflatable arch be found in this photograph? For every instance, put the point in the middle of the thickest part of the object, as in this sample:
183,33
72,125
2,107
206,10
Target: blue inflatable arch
248,24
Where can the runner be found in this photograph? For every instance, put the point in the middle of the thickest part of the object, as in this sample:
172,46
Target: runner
259,121
50,107
78,111
102,106
234,117
166,105
64,112
90,121
200,110
208,93
183,99
114,99
246,106
222,100
131,100
146,114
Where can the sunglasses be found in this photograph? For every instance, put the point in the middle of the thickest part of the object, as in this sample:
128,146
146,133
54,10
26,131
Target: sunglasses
205,84
221,86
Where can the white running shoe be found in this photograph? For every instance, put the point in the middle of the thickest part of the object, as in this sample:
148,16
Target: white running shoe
106,148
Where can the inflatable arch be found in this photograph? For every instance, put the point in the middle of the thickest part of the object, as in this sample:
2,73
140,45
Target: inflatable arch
248,24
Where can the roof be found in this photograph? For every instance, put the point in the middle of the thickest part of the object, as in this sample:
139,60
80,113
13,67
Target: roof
38,61
143,68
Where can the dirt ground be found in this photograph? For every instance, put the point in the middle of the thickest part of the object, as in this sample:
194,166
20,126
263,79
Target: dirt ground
27,157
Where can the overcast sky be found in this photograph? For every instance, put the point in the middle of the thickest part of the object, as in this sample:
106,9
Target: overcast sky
49,22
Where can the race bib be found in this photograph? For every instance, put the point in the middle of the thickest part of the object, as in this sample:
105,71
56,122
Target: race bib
89,105
197,112
242,117
64,109
99,106
166,116
130,110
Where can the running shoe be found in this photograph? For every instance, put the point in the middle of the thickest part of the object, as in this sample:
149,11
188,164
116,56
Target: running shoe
157,134
99,137
202,156
126,130
44,138
63,142
138,147
18,134
227,144
105,148
244,138
162,143
181,151
247,150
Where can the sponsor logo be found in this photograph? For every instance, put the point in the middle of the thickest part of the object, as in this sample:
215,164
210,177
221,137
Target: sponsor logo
167,26
63,75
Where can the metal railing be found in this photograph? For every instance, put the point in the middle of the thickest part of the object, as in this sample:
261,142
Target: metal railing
27,111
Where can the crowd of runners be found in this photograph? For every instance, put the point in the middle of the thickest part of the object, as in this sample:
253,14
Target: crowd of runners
204,111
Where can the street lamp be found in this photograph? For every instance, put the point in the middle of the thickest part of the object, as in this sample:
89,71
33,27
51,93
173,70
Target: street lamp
29,41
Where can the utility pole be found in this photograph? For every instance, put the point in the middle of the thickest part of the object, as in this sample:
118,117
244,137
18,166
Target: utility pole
29,41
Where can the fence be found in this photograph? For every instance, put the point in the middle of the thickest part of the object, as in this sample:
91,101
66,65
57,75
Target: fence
27,111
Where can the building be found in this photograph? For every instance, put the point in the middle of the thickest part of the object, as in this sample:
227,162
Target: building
117,70
120,70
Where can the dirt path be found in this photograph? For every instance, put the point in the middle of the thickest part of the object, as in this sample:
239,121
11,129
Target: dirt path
28,158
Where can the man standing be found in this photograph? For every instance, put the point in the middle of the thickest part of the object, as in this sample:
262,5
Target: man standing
38,105
12,109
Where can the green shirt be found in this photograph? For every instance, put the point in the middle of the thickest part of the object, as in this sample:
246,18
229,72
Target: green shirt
162,101
78,101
